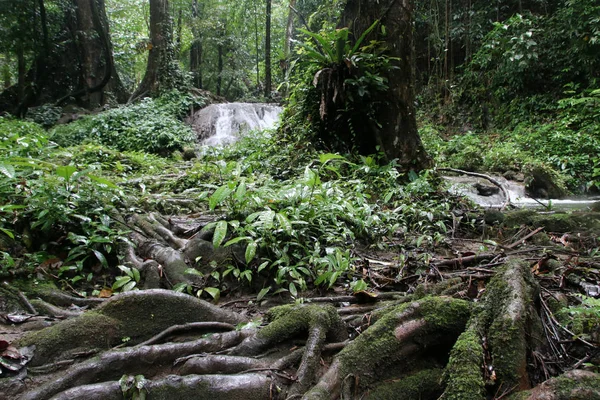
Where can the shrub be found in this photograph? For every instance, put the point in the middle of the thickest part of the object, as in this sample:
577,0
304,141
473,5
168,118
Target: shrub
146,126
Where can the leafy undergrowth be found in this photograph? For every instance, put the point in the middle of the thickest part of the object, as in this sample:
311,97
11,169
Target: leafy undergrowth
565,146
301,216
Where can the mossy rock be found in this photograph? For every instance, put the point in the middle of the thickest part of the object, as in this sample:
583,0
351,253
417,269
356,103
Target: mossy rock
542,181
554,222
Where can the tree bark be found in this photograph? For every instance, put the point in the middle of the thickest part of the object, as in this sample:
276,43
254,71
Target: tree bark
196,50
162,74
395,131
268,51
97,69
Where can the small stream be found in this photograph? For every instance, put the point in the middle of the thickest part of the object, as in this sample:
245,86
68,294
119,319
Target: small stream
466,186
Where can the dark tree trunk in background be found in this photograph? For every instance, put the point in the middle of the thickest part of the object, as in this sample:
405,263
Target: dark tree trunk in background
196,49
74,64
219,67
397,135
97,68
268,51
162,73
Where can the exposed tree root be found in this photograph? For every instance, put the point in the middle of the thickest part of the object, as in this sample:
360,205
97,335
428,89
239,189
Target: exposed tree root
135,316
427,345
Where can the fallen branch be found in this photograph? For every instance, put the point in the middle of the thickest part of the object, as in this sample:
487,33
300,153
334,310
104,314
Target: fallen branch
489,178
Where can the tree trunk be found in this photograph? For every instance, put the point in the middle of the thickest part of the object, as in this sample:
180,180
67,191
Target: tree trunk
162,73
268,51
219,67
196,50
97,70
395,130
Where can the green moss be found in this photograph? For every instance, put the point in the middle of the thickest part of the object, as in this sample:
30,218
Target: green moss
378,347
437,288
556,222
288,321
88,331
583,388
421,385
464,375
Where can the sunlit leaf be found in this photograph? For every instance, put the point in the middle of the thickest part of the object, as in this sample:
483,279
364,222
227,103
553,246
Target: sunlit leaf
251,251
262,293
215,293
66,171
220,233
101,258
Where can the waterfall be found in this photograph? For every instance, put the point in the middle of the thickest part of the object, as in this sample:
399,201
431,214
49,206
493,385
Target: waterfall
222,124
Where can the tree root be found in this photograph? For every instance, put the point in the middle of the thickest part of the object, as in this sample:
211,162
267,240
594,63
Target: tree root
145,360
175,387
135,316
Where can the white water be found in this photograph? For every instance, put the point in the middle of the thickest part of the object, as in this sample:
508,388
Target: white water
463,185
222,124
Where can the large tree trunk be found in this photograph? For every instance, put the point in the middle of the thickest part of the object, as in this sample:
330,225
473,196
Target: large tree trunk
162,73
97,70
395,130
268,51
73,64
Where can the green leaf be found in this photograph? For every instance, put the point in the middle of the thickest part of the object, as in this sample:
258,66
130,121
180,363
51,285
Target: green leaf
66,171
240,192
262,293
220,233
136,274
293,290
251,251
7,170
193,271
363,36
103,181
218,196
7,233
262,266
120,282
129,286
236,240
215,293
125,269
284,222
101,258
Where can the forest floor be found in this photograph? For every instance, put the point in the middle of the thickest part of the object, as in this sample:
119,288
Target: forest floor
490,308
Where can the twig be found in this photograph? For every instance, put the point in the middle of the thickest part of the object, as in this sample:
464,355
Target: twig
518,242
547,309
455,262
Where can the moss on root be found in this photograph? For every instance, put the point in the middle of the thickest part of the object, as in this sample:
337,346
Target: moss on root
573,385
380,346
288,321
423,385
464,374
91,330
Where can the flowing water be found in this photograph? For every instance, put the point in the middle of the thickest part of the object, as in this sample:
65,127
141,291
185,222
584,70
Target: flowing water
464,185
222,124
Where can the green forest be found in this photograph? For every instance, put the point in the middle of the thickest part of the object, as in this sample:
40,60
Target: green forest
422,222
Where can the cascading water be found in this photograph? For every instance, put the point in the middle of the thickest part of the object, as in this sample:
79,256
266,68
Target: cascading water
222,124
466,186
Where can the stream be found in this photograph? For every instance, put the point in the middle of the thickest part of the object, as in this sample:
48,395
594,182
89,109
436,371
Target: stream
223,124
466,186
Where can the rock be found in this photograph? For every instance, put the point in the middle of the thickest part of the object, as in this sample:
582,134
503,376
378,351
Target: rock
486,190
